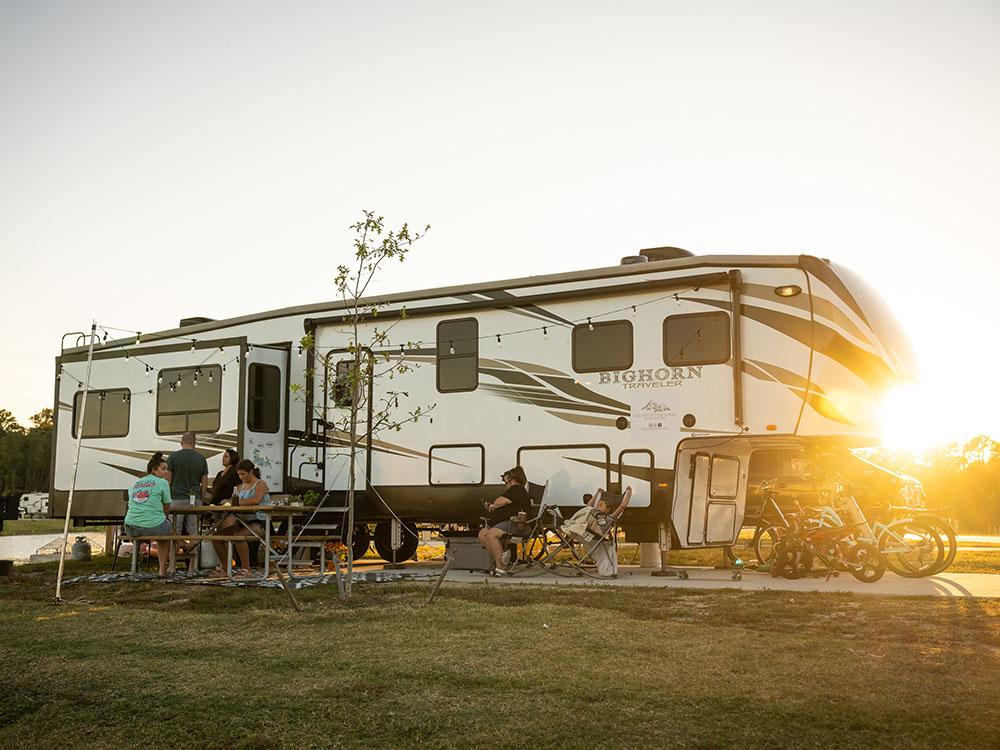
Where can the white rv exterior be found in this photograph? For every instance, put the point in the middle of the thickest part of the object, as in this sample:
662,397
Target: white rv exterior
664,375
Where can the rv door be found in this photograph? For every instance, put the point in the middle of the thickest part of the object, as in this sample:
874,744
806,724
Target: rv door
339,390
265,413
710,491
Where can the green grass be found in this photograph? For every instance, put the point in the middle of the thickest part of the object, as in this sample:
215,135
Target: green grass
128,664
42,526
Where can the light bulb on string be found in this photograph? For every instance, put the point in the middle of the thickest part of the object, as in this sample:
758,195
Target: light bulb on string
159,379
124,398
209,376
633,311
126,353
178,383
193,342
300,352
677,300
138,337
590,326
220,347
401,352
545,332
451,347
499,342
104,340
146,373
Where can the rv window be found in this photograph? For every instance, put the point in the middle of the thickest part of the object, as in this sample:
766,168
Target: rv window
107,413
458,355
264,404
182,406
696,339
725,478
342,383
602,346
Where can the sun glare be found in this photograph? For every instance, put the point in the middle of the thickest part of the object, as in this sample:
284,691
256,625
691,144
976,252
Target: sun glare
912,420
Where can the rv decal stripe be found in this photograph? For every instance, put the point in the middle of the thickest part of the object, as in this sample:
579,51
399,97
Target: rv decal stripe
582,419
869,367
570,388
820,306
824,273
538,312
131,472
814,396
553,401
643,473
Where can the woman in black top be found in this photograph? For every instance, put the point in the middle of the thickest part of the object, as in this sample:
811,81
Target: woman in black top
514,500
227,479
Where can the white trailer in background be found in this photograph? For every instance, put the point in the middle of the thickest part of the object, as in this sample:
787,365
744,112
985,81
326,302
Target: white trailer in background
33,505
671,373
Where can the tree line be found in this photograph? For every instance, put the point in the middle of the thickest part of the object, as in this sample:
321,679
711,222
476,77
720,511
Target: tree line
962,479
25,453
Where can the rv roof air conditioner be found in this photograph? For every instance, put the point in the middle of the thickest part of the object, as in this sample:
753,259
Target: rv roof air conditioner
185,322
665,253
629,260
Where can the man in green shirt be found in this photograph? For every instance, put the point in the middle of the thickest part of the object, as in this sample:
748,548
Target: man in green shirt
188,475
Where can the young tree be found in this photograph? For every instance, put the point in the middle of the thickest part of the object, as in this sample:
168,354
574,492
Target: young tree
374,354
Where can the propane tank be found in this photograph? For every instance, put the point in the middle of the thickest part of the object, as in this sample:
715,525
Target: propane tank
80,549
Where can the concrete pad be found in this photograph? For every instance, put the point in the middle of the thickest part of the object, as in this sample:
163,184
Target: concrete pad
968,585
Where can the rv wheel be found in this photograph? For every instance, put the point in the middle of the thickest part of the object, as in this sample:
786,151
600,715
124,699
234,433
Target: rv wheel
383,542
361,541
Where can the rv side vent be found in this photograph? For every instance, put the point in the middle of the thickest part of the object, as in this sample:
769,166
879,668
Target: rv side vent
628,260
665,253
195,321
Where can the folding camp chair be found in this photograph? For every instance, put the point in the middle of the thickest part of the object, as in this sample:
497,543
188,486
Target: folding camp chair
589,538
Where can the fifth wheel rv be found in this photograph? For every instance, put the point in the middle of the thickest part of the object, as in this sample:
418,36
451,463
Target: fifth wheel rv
669,373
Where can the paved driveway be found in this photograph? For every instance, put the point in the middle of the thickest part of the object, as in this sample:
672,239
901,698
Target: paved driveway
973,585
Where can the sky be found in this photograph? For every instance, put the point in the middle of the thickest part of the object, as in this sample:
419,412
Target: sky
164,160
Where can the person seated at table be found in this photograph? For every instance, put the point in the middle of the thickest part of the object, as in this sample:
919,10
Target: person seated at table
148,503
512,501
252,490
225,482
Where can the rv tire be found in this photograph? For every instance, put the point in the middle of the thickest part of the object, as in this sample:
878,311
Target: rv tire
383,541
361,541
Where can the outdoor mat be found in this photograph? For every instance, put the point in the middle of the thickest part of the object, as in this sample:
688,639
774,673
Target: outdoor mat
371,576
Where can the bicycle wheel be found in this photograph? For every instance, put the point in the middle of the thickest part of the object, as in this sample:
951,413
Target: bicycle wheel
912,549
765,540
867,565
947,533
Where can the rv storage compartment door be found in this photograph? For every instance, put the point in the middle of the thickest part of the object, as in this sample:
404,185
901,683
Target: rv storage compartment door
710,491
264,421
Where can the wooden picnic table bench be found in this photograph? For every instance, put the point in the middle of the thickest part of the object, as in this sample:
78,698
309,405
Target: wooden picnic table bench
289,538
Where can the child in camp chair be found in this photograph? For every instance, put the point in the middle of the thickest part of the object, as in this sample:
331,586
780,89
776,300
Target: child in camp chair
593,521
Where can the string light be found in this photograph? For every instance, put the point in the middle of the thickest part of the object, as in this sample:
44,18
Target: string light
633,311
451,347
159,379
124,398
138,338
499,342
300,352
126,353
173,388
178,383
193,342
105,339
545,332
590,326
210,375
677,299
401,350
220,347
147,371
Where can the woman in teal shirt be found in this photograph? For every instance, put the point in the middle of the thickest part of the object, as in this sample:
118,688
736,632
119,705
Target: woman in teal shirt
148,501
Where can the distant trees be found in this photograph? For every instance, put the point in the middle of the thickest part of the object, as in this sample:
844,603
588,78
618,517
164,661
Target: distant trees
25,453
962,477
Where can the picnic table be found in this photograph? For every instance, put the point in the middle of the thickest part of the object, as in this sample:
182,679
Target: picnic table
292,536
